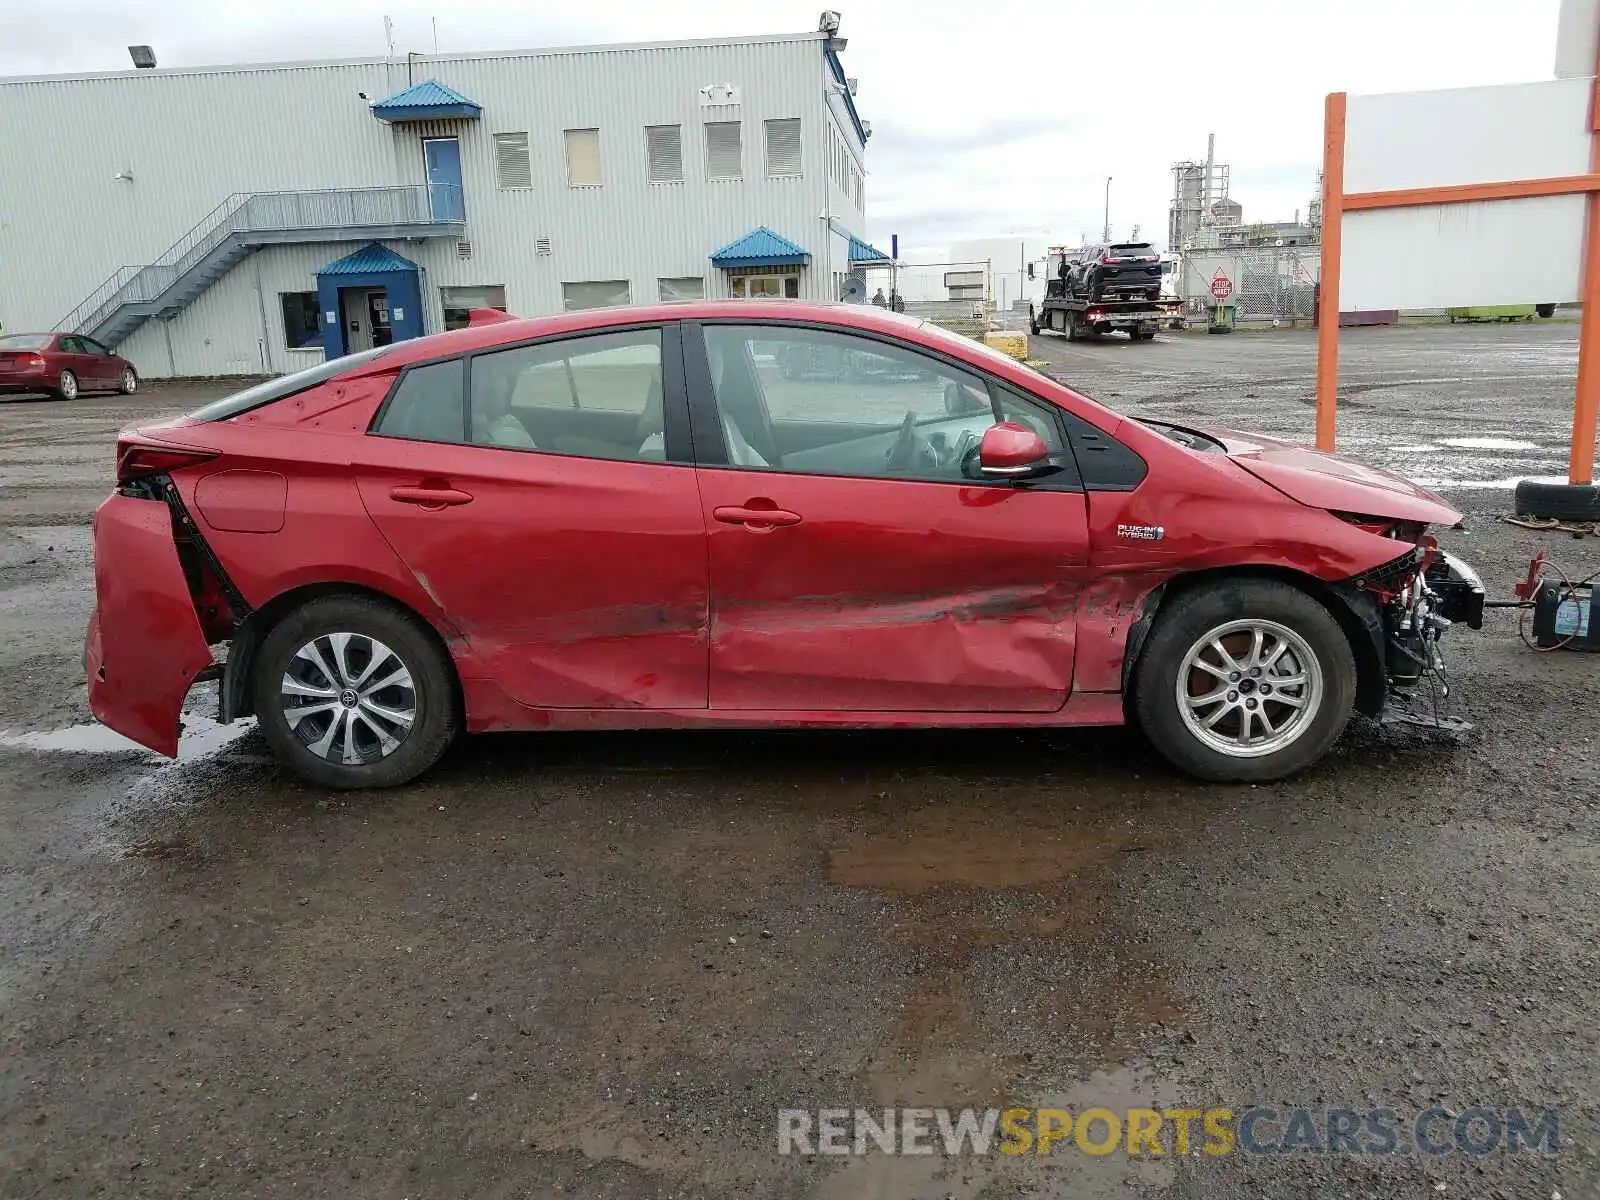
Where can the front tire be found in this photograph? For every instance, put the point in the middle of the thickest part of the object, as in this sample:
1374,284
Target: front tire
130,382
351,692
1245,680
67,385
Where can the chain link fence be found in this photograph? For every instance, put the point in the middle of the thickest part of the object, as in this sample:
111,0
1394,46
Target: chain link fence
1271,284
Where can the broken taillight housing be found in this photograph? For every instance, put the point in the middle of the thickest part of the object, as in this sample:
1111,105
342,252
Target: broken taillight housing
140,460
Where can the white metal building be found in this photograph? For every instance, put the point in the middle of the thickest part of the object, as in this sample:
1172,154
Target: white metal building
241,220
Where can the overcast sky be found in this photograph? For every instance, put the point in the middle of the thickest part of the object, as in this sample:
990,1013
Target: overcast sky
990,118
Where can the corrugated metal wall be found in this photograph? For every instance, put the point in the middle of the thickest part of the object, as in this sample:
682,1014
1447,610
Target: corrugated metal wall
190,139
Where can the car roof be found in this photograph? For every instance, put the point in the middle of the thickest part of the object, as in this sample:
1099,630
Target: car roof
521,329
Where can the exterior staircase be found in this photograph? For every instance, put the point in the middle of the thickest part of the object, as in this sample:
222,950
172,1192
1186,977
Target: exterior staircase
245,222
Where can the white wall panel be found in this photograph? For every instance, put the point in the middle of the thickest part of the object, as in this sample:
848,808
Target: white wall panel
1466,135
1443,256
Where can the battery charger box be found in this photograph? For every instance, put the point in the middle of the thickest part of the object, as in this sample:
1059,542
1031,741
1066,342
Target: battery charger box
1565,617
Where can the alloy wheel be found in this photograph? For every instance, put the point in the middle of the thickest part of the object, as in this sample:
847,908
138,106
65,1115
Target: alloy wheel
1248,688
349,698
69,385
130,382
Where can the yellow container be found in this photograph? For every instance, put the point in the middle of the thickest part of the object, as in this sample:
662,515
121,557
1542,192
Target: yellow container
1008,342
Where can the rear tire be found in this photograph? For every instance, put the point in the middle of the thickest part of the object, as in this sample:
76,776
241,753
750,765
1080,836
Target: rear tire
351,692
1202,716
67,385
130,381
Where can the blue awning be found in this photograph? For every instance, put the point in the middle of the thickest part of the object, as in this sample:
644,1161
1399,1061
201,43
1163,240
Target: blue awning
429,100
865,252
371,259
760,248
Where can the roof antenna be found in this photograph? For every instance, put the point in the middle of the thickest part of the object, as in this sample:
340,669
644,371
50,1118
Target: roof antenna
436,35
388,34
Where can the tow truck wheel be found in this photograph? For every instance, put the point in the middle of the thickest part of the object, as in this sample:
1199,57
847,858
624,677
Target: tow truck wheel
1245,680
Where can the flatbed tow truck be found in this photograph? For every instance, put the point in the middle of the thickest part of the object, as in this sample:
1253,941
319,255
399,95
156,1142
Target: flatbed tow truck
1080,317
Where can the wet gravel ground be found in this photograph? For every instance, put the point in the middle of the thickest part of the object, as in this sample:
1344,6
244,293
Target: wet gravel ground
597,965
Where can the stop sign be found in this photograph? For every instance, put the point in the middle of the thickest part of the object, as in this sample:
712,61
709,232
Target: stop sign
1221,286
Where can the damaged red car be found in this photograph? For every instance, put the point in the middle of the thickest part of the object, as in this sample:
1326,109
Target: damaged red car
729,514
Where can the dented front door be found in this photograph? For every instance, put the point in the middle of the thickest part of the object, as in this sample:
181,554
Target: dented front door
837,594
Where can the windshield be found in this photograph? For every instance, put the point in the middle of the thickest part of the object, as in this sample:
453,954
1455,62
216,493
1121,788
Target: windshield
283,385
25,341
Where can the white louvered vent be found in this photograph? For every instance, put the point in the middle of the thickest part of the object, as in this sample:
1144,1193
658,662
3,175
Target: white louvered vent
463,249
663,146
542,246
783,146
724,150
511,166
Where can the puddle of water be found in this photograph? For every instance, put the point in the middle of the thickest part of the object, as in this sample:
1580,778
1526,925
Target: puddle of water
1484,485
1487,443
201,738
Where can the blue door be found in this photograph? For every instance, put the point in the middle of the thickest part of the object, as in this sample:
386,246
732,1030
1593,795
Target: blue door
443,159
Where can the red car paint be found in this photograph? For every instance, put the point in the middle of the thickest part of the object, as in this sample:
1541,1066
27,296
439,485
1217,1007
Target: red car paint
33,362
594,593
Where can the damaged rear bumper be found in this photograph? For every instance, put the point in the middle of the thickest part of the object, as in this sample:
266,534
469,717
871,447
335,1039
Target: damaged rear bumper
144,647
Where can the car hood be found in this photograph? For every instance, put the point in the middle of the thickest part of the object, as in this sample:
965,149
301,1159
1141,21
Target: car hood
1323,480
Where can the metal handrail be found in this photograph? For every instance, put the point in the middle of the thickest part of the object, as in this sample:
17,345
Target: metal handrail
255,212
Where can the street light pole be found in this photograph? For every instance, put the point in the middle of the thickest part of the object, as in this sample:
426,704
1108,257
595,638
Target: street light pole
1107,235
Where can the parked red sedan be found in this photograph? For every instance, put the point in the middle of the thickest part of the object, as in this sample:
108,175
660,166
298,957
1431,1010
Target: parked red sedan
63,363
728,514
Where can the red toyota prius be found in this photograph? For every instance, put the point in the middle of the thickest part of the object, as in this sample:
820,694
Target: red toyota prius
738,514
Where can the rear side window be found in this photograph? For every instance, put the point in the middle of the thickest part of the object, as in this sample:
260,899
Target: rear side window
283,385
428,404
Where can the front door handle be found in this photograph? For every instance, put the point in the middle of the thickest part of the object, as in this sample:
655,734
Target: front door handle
758,519
430,497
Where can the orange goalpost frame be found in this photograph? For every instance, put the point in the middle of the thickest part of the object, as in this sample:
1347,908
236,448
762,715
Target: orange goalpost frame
1336,202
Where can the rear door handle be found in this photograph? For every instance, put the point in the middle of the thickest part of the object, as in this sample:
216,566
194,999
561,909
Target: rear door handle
430,497
757,519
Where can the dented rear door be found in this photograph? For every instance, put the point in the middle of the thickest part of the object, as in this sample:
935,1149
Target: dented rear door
144,645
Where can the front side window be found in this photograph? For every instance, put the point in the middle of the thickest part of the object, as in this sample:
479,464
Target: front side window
301,328
459,302
819,402
598,396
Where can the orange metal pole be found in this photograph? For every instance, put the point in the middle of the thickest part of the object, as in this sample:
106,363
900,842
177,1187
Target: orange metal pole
1332,235
1580,463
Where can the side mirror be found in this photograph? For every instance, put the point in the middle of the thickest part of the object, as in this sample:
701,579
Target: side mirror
1010,450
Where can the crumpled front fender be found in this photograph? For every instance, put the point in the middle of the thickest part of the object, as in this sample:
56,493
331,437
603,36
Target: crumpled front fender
144,646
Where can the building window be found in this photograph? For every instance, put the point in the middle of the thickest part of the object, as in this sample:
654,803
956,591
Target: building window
765,287
663,146
783,146
459,302
511,166
689,287
724,150
583,157
302,329
595,293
